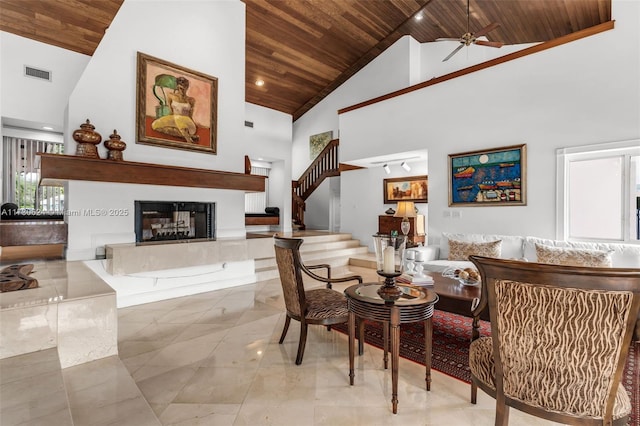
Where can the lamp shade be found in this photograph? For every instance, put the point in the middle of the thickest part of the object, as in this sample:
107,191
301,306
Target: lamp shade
405,209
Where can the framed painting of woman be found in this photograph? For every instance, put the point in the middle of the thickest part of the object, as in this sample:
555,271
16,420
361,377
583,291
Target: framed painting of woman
176,106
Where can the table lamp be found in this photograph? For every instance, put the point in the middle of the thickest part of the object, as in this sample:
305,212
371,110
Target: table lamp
405,210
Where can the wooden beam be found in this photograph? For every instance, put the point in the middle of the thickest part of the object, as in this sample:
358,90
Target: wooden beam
510,57
346,167
55,168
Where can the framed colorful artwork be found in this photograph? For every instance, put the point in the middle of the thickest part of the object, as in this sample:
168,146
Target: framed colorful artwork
176,107
414,188
318,142
491,177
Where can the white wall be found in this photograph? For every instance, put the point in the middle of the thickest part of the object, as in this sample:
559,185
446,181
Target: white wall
405,63
270,139
29,102
209,37
32,99
432,54
362,199
390,71
580,93
317,212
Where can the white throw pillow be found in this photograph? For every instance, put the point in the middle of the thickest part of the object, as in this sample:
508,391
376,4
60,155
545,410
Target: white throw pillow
511,244
573,257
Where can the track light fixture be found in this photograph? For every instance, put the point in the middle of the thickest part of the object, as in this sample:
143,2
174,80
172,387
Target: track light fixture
405,166
387,169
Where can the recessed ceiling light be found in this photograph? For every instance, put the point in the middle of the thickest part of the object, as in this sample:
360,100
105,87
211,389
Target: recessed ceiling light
259,82
47,128
419,17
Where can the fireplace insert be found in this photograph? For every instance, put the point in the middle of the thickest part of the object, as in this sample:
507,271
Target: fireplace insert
166,221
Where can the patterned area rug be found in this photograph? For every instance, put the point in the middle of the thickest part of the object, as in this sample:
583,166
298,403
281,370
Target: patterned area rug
450,353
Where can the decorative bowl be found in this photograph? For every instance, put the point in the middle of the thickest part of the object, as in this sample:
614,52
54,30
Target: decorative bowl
454,273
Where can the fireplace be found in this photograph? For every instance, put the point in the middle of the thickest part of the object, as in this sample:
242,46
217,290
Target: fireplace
167,221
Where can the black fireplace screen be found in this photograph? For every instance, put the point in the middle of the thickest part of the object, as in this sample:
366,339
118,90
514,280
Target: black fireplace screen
174,220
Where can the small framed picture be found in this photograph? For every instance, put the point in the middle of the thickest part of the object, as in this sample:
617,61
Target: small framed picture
413,188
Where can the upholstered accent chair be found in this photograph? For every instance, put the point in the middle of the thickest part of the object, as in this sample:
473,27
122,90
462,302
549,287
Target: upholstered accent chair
323,306
560,336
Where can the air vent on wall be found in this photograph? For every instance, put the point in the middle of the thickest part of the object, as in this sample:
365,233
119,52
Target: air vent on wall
37,73
248,123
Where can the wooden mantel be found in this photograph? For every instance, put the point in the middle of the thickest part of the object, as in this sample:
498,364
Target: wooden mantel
56,168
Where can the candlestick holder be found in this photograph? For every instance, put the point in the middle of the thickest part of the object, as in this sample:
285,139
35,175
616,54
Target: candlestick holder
389,292
409,262
387,248
419,275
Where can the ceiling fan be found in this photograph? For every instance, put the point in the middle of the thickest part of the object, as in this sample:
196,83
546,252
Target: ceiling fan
469,38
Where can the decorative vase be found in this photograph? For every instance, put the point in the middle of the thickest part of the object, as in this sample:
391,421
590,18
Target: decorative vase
87,139
386,246
115,146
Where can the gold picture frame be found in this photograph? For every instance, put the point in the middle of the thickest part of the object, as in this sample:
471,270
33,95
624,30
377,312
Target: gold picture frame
489,177
176,107
318,142
413,188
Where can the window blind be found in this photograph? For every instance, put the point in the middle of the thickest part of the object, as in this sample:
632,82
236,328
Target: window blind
21,175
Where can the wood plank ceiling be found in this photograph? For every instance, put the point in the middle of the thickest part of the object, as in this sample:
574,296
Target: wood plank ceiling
304,49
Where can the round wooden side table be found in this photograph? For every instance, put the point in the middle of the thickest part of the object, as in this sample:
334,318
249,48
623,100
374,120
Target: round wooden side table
415,304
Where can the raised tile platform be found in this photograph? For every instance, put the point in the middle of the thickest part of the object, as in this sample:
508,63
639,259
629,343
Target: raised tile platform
33,391
72,310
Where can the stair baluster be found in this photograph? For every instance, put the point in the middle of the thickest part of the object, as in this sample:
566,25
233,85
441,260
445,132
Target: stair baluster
325,165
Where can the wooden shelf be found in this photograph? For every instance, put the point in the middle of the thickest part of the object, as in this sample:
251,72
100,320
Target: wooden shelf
261,220
57,168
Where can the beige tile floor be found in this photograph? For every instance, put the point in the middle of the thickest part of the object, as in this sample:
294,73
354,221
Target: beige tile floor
214,359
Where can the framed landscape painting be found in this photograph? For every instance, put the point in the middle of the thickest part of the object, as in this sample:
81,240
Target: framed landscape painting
176,107
318,142
414,188
491,177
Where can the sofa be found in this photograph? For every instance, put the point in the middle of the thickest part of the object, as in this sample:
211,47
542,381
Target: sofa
454,249
436,257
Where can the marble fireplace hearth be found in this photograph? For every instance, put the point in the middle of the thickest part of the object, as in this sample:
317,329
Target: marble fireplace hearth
151,272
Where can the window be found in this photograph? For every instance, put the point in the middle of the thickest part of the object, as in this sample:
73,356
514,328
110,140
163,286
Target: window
21,176
599,192
256,202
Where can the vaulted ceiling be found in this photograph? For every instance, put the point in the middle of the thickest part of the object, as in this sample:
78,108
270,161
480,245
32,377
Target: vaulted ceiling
304,49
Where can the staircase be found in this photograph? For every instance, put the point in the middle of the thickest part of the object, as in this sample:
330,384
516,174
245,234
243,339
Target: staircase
333,249
324,166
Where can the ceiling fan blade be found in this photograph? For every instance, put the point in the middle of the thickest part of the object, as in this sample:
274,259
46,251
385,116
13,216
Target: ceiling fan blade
486,29
456,50
489,43
448,39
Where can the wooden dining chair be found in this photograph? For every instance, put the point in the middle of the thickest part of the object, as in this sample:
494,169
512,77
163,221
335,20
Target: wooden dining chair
323,306
560,336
